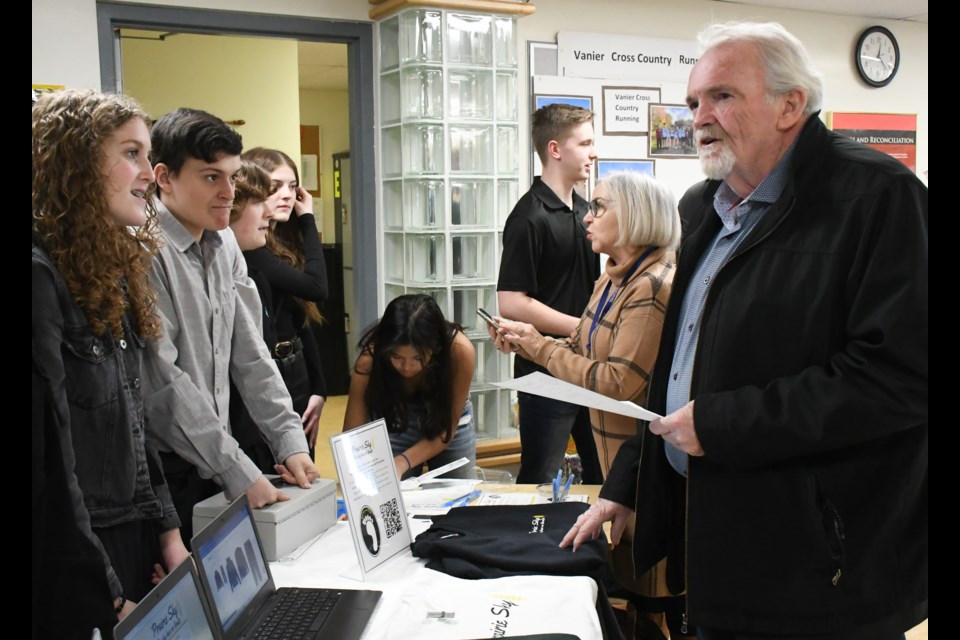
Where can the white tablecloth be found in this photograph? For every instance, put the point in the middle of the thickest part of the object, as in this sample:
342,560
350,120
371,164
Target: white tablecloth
497,608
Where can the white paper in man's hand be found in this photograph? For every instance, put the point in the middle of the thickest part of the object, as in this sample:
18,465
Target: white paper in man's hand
540,384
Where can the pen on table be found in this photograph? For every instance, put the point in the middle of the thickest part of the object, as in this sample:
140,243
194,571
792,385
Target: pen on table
556,485
464,499
566,488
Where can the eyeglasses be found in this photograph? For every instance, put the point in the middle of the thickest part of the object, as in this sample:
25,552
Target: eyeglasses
599,206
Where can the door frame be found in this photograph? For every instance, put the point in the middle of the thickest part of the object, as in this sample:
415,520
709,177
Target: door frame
358,36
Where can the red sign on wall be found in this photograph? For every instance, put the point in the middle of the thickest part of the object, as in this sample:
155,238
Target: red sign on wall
895,134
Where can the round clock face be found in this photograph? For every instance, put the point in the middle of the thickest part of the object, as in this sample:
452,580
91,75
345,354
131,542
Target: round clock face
877,56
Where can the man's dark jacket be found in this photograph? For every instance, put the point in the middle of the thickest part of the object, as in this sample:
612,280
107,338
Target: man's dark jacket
808,512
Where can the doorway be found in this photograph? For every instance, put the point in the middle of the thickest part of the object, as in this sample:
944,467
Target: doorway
343,214
358,37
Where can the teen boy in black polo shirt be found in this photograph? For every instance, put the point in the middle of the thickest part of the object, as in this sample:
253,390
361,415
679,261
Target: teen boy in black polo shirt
547,273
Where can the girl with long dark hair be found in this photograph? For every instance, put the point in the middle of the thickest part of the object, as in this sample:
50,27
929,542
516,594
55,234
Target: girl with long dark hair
414,371
292,266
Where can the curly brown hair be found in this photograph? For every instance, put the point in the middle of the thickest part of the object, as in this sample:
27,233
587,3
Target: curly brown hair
284,239
253,185
105,266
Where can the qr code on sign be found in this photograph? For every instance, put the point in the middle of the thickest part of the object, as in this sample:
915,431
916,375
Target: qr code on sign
392,518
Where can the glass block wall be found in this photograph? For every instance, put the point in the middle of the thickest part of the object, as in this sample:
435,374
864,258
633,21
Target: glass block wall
449,155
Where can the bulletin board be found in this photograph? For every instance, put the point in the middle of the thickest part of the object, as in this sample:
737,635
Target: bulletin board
310,160
625,145
624,109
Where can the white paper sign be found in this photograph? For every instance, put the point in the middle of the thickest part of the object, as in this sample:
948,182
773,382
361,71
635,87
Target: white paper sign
309,172
606,55
371,491
540,384
626,110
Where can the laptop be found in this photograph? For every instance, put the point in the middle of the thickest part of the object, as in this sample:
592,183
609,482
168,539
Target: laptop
246,604
174,608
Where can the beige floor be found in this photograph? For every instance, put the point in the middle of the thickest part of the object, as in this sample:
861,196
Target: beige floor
331,423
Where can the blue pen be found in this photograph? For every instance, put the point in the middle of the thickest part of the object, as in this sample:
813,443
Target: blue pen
566,488
556,485
463,500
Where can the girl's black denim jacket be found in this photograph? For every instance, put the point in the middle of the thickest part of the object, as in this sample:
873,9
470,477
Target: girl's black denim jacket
95,382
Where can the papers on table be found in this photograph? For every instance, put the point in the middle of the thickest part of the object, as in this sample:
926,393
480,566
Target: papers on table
499,499
540,384
430,502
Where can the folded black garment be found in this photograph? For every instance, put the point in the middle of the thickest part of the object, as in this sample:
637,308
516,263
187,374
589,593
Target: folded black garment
499,541
509,540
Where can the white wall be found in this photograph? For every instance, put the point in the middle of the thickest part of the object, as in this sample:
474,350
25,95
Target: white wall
65,42
829,39
64,48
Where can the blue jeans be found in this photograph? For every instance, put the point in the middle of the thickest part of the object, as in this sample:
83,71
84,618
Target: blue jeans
463,445
545,428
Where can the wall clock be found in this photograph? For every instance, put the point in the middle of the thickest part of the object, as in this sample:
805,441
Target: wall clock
877,56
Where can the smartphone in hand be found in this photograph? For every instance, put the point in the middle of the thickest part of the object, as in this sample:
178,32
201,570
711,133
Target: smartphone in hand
488,318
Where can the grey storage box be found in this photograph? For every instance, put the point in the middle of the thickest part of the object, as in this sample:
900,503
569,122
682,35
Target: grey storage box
282,526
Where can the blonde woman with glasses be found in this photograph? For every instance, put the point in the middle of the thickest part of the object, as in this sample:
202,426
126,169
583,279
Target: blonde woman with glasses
633,219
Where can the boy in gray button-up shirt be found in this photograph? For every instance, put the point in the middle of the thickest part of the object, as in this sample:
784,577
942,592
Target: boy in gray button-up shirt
210,311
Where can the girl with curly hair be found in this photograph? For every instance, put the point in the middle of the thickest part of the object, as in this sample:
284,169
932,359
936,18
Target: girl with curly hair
93,308
414,371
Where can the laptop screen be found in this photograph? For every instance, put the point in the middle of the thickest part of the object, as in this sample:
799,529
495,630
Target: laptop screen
233,565
172,611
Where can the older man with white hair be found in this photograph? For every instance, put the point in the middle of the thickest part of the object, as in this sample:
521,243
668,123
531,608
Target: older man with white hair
787,483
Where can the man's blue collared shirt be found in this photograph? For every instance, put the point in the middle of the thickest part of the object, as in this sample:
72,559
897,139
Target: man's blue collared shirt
738,217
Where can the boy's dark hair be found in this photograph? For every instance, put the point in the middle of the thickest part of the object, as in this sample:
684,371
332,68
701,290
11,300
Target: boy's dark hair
191,133
554,122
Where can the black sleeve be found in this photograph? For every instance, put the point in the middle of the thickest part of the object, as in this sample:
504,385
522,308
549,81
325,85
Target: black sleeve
620,485
308,284
521,256
311,353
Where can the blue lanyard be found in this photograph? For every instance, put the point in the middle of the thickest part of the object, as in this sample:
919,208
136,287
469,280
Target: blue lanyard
603,306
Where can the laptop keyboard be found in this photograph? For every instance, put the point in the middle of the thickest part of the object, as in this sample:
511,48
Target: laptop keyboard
297,614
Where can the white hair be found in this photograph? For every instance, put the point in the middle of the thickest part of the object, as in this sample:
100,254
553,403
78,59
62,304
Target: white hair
785,61
646,209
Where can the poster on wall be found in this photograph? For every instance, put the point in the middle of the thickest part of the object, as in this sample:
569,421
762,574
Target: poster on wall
625,111
894,134
310,169
671,131
584,102
606,167
676,171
